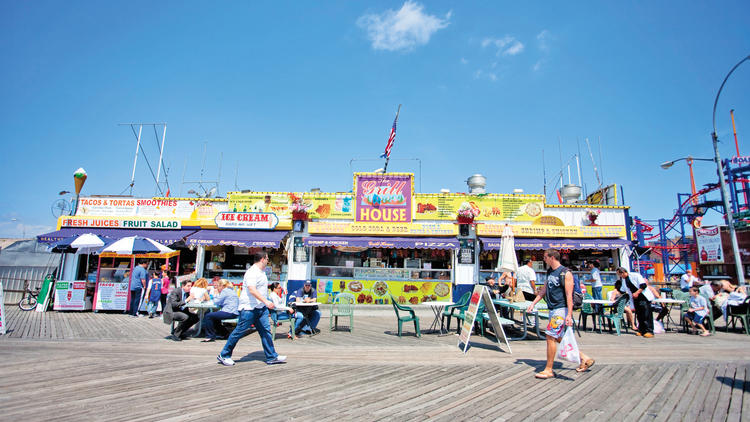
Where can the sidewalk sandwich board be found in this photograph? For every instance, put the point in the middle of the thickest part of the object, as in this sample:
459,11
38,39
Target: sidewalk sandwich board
481,293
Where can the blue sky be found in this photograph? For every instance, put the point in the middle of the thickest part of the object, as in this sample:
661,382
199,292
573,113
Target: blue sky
290,92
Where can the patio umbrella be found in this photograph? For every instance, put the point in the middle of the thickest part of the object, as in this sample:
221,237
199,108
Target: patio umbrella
88,243
506,260
133,245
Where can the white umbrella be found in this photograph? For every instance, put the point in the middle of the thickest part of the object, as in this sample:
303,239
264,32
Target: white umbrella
506,261
87,243
133,245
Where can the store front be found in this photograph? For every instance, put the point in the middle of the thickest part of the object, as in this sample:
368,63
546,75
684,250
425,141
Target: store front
413,270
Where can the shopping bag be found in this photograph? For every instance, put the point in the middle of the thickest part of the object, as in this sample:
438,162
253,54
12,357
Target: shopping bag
517,296
568,348
658,327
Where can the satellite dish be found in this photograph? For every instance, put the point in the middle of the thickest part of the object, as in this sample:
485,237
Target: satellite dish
211,192
60,207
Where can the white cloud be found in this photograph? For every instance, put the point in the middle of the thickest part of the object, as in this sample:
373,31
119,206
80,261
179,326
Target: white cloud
542,40
506,46
464,61
537,66
404,29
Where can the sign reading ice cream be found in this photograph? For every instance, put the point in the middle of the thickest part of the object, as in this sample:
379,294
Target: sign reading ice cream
383,197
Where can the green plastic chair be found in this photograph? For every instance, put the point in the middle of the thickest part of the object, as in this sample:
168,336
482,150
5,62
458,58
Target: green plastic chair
615,317
743,317
279,317
685,297
586,311
450,309
478,322
402,319
342,306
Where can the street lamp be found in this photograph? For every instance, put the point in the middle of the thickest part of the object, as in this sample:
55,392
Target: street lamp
722,183
667,164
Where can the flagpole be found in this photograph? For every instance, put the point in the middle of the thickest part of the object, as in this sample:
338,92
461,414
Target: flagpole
388,157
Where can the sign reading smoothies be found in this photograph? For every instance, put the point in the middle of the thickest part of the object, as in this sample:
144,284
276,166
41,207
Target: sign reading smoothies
383,197
709,245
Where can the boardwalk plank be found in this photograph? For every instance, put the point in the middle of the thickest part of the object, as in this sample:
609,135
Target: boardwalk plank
735,402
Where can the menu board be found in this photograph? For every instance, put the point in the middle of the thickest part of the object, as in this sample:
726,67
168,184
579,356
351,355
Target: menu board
376,291
301,252
274,202
331,206
466,252
481,293
489,207
111,296
70,296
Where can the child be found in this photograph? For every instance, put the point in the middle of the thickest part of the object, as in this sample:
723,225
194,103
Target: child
697,311
153,294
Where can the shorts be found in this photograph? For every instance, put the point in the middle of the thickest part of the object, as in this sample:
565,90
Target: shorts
556,325
698,319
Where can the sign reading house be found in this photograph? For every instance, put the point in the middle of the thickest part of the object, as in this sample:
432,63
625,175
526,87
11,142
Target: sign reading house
382,198
247,220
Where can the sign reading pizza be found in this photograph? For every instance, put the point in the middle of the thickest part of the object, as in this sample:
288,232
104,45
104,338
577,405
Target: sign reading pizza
247,220
383,198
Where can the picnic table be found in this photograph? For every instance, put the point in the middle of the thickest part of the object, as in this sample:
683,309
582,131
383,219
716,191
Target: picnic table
202,308
603,303
669,303
437,308
539,312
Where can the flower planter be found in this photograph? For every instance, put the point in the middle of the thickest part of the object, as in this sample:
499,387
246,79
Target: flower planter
464,220
592,220
299,216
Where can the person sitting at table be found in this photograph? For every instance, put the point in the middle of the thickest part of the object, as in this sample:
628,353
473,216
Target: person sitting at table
714,292
507,283
228,301
176,311
735,303
495,290
277,297
697,311
199,291
617,294
688,280
307,294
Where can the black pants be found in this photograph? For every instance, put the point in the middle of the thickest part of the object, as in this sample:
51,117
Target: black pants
645,317
163,300
529,296
186,320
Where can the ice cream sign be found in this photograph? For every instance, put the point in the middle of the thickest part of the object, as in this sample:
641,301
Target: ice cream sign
383,197
247,220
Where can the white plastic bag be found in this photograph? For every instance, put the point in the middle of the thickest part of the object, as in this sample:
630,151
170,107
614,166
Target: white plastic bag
568,348
658,327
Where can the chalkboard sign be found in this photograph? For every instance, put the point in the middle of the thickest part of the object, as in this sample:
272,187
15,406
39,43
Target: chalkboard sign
466,252
301,252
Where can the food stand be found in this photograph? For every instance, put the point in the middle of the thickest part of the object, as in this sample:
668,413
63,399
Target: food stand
113,277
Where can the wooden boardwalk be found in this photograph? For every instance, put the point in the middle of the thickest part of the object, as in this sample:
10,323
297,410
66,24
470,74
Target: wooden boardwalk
73,366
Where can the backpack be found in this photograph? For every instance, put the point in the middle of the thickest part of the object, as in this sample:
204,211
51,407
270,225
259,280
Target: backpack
577,294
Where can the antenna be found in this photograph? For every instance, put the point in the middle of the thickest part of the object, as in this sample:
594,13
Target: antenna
544,175
140,151
601,163
596,172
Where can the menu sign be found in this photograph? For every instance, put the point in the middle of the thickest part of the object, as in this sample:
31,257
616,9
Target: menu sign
481,293
70,296
383,229
275,202
553,231
147,207
383,197
709,245
329,206
489,207
111,296
466,252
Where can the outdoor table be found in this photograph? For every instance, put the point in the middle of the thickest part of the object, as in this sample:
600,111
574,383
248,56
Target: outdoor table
669,303
523,306
306,312
202,308
437,309
603,303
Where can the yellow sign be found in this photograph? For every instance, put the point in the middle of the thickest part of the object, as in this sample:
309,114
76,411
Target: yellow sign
275,202
554,231
376,291
491,207
383,229
548,220
334,206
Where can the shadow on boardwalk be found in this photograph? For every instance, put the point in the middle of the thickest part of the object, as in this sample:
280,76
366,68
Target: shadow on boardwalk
73,366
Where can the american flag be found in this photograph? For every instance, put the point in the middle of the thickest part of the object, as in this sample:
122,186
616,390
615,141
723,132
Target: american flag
391,138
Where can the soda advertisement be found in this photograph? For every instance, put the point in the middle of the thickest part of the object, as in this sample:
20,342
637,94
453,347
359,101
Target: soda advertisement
490,207
709,245
70,296
111,296
383,197
377,291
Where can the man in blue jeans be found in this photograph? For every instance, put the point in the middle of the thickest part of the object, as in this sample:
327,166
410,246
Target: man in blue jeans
137,283
253,308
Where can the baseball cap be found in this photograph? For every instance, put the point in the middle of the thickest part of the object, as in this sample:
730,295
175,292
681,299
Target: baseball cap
308,282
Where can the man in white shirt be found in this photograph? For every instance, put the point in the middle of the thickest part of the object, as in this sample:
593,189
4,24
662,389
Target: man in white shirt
527,280
688,280
253,308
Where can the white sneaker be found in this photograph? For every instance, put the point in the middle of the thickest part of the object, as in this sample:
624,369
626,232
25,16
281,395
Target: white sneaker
279,359
225,361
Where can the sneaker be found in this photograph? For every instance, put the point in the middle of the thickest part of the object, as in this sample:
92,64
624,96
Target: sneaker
175,338
279,359
225,361
648,335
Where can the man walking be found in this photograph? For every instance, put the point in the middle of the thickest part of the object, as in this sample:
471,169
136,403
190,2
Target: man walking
253,308
558,293
137,283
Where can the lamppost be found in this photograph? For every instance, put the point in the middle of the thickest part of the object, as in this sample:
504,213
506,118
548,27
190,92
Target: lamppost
722,183
689,160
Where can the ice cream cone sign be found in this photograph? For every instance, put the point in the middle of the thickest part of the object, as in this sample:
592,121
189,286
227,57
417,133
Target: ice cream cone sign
79,177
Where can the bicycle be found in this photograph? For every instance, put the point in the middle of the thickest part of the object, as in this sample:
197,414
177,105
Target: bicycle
29,299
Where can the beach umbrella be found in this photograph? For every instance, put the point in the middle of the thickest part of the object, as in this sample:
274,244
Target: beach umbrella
134,245
88,243
506,260
63,246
